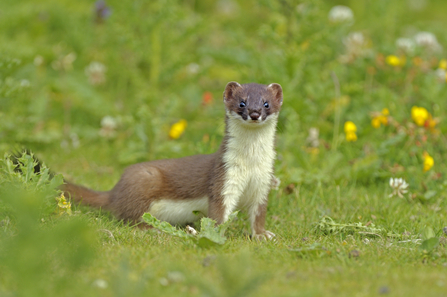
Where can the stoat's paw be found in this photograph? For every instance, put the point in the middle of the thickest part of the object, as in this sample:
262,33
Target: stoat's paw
266,235
191,230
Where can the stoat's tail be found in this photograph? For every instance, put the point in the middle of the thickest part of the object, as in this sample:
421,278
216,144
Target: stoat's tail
82,195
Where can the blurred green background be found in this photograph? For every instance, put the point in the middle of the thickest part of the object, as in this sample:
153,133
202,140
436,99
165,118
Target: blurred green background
92,87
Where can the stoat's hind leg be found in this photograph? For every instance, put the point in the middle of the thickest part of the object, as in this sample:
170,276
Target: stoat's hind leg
136,190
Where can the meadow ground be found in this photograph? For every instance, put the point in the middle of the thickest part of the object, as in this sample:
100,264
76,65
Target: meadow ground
91,88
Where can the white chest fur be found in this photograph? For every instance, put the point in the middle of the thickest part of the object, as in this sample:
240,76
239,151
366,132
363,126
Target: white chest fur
249,161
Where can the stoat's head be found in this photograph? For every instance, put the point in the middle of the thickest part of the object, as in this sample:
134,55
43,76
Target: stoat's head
252,103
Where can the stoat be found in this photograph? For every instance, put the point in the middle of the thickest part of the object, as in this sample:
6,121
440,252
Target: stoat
237,176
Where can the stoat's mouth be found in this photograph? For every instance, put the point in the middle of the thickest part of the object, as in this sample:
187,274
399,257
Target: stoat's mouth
248,122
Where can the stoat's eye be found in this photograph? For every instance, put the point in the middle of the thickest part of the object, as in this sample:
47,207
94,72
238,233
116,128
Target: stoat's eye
266,105
242,104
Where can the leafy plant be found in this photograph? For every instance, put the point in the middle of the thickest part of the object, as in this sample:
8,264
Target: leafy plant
327,225
429,241
209,235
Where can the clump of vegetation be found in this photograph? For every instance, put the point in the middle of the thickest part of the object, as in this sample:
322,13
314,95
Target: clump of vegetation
209,234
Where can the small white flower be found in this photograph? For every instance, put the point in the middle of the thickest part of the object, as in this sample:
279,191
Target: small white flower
109,122
313,138
341,14
399,186
354,39
356,46
38,60
108,126
427,40
405,44
354,42
100,283
96,73
193,68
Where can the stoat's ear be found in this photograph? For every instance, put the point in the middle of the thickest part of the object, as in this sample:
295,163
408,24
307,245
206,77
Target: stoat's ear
277,92
231,87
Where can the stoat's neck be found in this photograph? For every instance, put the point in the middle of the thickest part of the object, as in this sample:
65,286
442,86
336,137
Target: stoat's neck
248,143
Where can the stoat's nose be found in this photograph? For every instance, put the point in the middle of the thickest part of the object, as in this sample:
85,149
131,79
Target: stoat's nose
254,115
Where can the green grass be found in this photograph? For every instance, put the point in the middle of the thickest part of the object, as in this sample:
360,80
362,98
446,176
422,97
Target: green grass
161,57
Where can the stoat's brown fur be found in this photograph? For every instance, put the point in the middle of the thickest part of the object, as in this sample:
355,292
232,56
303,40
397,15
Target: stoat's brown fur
237,176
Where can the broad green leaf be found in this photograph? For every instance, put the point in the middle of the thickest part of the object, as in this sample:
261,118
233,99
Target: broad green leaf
165,226
428,245
209,233
56,181
428,233
430,194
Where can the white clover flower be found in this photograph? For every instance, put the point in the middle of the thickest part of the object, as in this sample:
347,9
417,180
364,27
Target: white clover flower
354,39
427,40
405,44
356,45
96,73
399,186
354,42
108,126
313,138
109,122
193,68
341,14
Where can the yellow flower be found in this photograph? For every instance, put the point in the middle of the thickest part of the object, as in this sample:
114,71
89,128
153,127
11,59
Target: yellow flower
375,122
64,206
351,136
419,115
380,119
350,129
430,123
177,129
428,161
443,64
395,61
